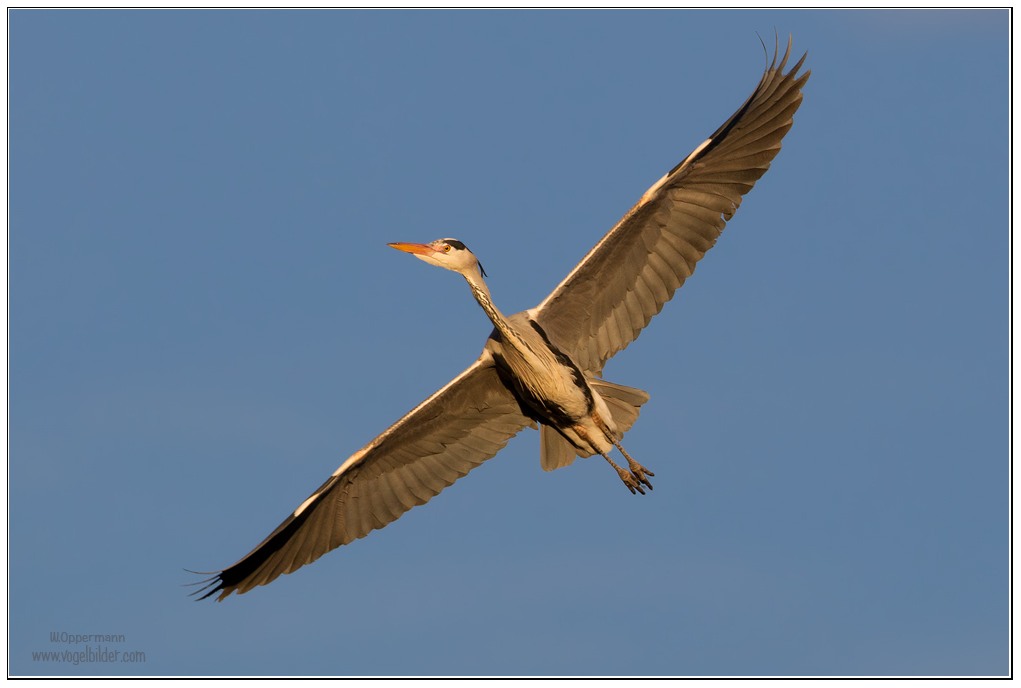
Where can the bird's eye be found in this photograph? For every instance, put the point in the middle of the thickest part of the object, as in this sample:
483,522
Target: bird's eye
446,249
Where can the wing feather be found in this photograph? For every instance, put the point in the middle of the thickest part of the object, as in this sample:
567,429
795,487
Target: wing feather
455,430
607,300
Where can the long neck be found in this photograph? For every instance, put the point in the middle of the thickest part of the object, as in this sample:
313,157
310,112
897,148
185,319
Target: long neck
481,292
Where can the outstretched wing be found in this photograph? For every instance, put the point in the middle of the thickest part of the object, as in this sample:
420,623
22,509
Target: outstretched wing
447,435
604,303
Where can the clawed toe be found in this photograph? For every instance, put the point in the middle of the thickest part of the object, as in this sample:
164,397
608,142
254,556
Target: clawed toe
640,473
631,481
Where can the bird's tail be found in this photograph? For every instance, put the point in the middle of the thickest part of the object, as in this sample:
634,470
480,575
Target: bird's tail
556,451
622,401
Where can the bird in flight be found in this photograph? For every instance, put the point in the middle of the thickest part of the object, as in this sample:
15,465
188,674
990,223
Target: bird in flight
542,367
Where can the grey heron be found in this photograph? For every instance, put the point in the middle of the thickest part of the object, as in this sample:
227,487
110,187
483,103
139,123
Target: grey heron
542,367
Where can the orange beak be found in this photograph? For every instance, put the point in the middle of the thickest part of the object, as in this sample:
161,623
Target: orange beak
420,249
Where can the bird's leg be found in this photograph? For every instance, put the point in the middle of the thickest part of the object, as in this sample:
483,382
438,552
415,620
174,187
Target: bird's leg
638,469
630,480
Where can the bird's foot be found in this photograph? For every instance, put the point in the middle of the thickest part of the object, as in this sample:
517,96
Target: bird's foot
630,480
640,472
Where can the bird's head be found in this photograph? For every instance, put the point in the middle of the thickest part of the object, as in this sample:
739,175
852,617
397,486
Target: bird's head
446,253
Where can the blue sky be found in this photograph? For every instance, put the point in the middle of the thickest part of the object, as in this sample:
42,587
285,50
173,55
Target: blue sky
205,321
